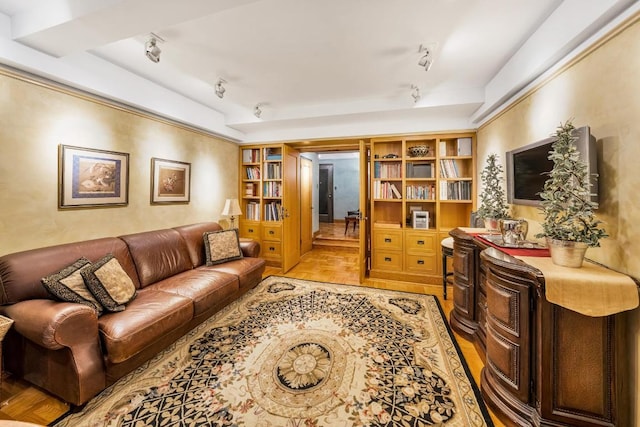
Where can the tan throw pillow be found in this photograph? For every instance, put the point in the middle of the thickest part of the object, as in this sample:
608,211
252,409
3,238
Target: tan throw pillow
222,246
109,283
68,285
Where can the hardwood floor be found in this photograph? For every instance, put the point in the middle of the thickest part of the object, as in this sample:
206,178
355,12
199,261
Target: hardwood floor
327,263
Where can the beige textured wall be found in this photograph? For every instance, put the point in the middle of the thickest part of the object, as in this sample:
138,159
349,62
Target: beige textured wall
35,119
602,90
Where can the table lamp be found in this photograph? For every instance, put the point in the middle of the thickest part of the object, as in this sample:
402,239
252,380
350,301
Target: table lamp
232,208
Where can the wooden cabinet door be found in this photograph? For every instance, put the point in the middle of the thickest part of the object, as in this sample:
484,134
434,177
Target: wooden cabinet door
291,208
463,281
509,332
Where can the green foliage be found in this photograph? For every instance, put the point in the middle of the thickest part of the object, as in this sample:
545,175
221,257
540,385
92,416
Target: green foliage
566,197
492,200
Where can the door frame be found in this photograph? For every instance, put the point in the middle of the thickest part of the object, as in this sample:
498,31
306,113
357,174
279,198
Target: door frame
364,247
306,205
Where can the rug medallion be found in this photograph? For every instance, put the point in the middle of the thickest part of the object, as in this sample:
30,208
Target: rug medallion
301,353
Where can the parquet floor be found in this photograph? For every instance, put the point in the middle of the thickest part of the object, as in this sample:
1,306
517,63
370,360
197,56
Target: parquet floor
324,263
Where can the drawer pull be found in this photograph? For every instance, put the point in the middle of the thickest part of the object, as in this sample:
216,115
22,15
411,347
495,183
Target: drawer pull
272,232
271,248
421,242
251,230
420,262
387,239
387,259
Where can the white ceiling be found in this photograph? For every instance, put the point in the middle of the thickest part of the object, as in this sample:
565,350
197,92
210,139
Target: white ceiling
322,69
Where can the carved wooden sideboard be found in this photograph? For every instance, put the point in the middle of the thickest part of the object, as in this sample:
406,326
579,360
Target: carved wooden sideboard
545,365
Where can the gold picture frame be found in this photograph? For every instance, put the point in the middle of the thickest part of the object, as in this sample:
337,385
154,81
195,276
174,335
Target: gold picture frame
89,178
170,181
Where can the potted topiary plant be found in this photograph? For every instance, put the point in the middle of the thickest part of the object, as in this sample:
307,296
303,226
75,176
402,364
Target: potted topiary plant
569,226
493,204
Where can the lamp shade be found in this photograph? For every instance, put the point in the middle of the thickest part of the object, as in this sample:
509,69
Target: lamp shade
231,208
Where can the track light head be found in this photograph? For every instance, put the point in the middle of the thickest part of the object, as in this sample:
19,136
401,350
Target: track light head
426,60
219,88
415,93
151,48
257,110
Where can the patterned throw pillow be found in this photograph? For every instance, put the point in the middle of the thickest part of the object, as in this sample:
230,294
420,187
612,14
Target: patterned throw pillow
221,246
68,285
109,283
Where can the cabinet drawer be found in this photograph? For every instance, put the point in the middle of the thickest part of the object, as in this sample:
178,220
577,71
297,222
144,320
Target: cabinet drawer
271,249
250,230
271,232
419,242
423,263
384,260
388,239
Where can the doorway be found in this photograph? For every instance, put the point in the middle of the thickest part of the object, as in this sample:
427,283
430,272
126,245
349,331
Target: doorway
325,193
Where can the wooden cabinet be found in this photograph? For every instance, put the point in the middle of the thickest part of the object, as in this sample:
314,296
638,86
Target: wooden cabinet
269,186
545,365
428,173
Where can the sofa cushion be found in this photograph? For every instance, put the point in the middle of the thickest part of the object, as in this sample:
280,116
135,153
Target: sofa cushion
68,285
221,246
109,283
192,235
207,289
158,254
147,318
248,270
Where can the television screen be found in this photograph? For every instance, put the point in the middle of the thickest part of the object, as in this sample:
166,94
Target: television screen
527,167
532,166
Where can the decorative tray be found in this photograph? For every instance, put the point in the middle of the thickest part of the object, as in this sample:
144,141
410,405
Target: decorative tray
496,239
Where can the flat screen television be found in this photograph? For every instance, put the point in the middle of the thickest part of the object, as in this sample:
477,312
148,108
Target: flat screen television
527,167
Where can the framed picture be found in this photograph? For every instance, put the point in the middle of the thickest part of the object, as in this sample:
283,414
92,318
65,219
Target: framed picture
170,181
92,178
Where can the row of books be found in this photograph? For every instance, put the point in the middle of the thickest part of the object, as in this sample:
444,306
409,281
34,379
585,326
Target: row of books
387,170
252,211
449,169
458,190
274,171
385,190
273,211
272,189
250,156
253,173
272,154
421,192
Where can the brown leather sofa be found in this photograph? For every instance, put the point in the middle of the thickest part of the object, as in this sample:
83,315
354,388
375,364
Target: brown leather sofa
66,349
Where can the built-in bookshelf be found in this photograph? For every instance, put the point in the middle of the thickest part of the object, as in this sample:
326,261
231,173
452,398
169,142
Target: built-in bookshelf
431,177
261,197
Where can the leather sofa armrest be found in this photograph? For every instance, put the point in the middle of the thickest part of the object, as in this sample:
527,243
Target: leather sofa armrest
250,248
53,324
70,329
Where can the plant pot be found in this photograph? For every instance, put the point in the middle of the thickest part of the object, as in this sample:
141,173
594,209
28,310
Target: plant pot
492,224
567,253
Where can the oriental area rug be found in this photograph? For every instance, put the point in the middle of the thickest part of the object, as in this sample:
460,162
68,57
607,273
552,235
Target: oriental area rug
301,353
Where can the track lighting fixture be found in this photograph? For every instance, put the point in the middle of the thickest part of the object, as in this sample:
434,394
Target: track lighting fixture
220,90
151,48
415,93
426,60
257,110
